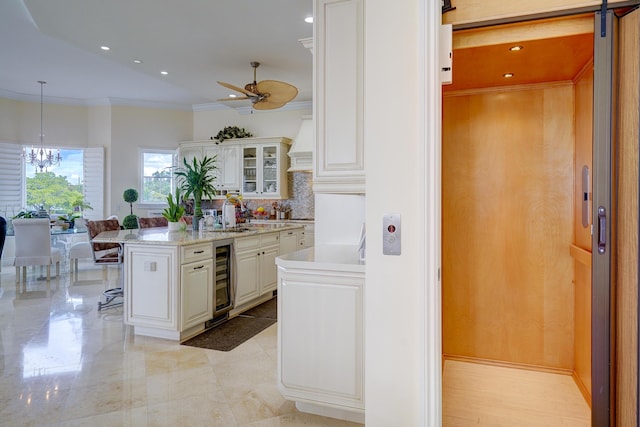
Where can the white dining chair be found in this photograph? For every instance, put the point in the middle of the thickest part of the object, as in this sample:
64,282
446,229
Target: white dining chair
33,246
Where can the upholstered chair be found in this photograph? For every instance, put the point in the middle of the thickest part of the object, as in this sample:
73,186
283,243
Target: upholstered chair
107,254
33,246
156,221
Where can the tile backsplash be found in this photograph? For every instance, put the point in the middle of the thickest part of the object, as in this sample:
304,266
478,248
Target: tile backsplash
300,200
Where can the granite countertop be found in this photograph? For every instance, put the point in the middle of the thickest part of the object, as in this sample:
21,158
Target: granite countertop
281,221
161,235
324,257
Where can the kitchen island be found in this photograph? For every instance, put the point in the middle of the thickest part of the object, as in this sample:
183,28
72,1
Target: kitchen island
170,277
321,330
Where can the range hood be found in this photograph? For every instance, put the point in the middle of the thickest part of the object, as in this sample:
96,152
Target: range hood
301,151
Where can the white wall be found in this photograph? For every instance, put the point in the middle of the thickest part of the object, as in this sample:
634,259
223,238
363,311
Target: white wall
135,127
400,372
260,123
63,125
338,218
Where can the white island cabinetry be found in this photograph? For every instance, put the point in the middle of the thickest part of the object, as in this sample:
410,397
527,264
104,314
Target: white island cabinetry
196,279
152,304
170,277
256,268
321,331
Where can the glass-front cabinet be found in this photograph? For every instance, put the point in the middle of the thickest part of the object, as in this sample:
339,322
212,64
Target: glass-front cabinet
256,167
264,168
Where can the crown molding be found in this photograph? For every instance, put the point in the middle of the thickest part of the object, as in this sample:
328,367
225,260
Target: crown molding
123,102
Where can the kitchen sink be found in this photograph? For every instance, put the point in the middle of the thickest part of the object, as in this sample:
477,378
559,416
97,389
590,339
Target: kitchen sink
230,230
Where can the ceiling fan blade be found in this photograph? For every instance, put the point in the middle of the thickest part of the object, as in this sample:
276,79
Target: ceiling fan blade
266,104
233,98
278,92
237,89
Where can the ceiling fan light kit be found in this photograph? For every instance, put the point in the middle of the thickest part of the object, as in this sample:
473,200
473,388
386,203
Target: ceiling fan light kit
264,95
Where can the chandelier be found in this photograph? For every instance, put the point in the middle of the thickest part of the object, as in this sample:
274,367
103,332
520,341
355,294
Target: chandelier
42,158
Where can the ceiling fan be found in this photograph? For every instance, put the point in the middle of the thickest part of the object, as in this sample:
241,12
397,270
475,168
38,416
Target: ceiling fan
264,95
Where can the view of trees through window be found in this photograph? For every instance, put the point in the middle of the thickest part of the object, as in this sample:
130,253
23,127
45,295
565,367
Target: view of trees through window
59,189
157,175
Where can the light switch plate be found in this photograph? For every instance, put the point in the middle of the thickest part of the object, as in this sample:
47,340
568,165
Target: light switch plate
391,234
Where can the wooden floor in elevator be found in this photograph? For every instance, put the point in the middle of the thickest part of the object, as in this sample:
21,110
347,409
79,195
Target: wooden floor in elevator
476,394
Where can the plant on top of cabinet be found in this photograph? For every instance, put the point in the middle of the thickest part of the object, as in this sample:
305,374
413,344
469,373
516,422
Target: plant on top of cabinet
232,132
196,179
130,221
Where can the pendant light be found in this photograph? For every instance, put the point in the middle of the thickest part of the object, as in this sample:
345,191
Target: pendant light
42,158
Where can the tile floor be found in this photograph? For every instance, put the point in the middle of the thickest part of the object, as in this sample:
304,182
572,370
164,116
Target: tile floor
63,363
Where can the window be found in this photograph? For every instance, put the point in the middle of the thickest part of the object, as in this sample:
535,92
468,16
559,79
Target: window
59,189
157,175
78,180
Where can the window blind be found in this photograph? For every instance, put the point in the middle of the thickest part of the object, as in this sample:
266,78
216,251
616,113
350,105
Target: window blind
93,187
11,179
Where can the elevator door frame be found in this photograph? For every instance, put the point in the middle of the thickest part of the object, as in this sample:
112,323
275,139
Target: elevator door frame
603,134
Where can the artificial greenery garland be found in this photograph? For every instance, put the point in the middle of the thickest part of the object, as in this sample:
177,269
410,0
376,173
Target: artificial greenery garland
231,132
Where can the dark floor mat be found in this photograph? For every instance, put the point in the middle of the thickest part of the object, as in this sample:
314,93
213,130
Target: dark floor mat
234,332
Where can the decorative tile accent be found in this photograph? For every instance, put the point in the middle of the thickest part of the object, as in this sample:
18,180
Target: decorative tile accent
300,199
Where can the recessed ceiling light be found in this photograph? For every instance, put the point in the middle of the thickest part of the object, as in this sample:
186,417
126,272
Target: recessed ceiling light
105,48
232,95
164,73
309,19
516,48
507,75
137,61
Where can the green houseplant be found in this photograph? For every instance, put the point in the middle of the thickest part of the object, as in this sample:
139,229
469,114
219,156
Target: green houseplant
130,221
196,179
174,211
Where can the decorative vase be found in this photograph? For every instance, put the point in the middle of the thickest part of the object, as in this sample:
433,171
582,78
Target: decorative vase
173,226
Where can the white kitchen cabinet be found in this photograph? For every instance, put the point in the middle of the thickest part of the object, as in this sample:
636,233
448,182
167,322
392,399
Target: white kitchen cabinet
152,304
247,269
290,241
228,166
227,171
196,292
321,331
338,96
264,167
307,237
256,273
255,167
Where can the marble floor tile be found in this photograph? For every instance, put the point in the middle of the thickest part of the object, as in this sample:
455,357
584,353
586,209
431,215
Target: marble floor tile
64,363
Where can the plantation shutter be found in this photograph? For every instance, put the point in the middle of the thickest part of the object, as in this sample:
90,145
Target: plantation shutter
93,187
11,179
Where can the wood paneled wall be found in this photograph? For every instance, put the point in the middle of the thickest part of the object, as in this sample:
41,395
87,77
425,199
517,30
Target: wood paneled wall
627,224
478,11
507,186
582,242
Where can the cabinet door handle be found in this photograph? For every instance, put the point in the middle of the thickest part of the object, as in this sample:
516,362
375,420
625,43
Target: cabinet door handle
198,267
199,252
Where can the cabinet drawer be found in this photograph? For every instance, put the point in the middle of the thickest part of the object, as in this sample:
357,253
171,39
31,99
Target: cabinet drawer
246,243
192,253
269,239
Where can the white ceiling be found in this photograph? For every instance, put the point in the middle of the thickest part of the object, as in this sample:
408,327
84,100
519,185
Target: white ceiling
196,41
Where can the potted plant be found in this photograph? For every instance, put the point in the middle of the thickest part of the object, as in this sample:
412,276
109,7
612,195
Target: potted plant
174,211
130,221
196,179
